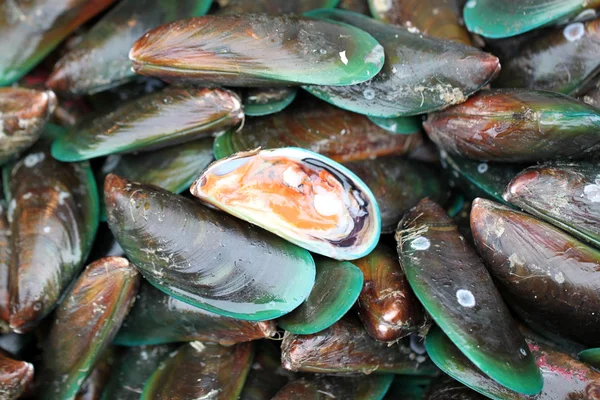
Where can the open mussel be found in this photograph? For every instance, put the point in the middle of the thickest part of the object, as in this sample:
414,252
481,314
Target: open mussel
206,258
454,286
302,196
246,50
547,276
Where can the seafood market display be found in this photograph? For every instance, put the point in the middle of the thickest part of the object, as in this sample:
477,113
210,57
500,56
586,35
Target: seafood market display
300,199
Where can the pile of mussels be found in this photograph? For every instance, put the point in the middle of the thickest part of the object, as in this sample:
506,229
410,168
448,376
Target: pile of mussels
333,250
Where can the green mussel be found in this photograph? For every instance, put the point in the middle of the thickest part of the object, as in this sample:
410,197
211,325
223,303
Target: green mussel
563,60
506,18
447,388
547,276
480,179
15,377
590,357
266,375
454,286
201,371
420,75
387,306
337,286
205,258
436,18
301,196
275,7
265,101
346,347
133,369
53,215
566,195
32,29
157,318
564,377
23,114
85,324
398,184
171,116
373,387
258,50
93,386
398,125
317,126
100,60
517,125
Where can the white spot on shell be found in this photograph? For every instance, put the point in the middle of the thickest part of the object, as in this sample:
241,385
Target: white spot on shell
471,4
343,57
27,195
369,94
420,243
62,196
47,229
523,351
559,277
32,159
465,298
574,31
198,346
592,192
482,168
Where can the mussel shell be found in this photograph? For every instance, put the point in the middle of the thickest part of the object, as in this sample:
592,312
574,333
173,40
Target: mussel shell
334,387
420,74
366,219
5,256
157,318
248,49
340,135
447,388
398,184
134,368
264,101
398,125
93,386
15,377
564,377
85,324
562,294
266,376
562,60
456,289
206,258
480,179
157,120
275,7
590,357
566,195
23,114
346,347
198,370
53,213
410,387
387,306
500,19
337,286
32,29
100,60
517,125
441,19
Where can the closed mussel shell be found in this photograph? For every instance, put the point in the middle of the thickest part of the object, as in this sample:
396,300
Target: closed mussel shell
206,258
421,74
32,29
456,289
133,369
436,18
337,286
23,114
371,387
246,50
563,60
85,324
547,276
500,19
201,370
398,184
157,318
266,376
15,377
387,306
590,357
517,125
340,135
100,59
157,120
346,347
564,377
53,214
566,195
